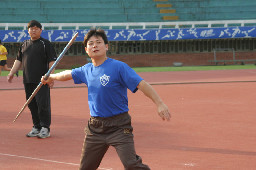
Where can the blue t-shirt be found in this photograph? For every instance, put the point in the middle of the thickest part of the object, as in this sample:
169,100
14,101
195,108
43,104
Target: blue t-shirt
107,86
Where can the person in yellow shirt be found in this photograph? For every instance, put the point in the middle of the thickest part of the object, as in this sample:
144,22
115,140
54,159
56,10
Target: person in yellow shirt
3,59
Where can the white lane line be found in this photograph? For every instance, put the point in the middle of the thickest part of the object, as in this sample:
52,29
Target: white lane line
46,160
189,164
39,159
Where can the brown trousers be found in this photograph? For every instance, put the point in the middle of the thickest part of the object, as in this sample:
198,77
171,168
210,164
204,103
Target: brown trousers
114,131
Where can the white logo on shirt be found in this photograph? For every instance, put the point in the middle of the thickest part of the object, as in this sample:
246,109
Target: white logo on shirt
104,79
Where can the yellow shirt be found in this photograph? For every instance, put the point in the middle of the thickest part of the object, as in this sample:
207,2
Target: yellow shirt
2,50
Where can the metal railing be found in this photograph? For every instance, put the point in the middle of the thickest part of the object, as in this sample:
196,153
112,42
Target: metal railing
143,25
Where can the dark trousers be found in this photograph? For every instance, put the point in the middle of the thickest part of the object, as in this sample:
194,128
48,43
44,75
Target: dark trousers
115,131
40,106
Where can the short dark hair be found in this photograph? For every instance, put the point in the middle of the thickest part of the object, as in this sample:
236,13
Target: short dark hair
33,23
95,32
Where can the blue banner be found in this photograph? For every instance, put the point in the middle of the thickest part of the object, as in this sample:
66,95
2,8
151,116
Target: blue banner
137,34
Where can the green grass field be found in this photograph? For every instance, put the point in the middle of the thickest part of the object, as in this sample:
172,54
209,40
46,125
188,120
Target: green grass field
193,68
183,68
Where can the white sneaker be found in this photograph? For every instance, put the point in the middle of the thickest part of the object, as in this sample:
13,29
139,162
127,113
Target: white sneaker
33,133
44,133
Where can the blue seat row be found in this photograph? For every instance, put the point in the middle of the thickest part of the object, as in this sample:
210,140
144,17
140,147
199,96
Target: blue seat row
95,11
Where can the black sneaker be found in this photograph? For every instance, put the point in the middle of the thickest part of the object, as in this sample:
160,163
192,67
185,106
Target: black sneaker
17,73
33,133
44,133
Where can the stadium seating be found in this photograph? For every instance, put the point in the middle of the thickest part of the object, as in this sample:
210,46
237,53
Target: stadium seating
118,11
79,11
197,10
135,14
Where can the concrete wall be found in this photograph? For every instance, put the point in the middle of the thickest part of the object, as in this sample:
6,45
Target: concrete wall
157,60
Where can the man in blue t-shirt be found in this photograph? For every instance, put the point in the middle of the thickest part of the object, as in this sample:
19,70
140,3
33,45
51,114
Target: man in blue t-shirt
110,124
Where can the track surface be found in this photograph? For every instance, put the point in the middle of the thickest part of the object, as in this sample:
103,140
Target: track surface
212,126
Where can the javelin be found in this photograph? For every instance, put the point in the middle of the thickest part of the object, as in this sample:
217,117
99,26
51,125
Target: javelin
47,74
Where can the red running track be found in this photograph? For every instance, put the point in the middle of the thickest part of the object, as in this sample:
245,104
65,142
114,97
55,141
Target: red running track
212,125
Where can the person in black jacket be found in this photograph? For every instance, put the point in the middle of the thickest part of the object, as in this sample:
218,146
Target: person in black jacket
36,56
